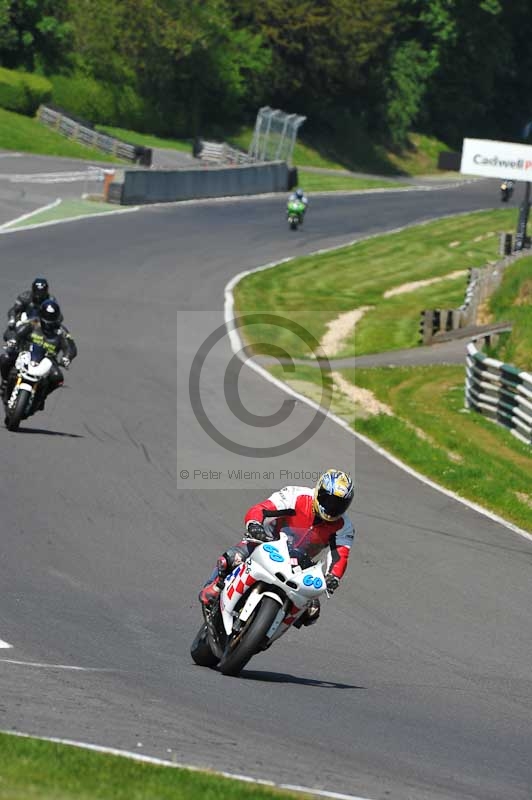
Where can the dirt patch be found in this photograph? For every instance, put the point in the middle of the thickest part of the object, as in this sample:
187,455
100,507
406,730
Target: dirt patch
362,397
484,315
411,287
524,498
340,328
524,298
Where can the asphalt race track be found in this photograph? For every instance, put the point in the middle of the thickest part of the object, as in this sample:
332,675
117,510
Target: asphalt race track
414,685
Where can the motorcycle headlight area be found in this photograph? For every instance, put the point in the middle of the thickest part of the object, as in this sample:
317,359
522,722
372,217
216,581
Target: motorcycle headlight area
23,360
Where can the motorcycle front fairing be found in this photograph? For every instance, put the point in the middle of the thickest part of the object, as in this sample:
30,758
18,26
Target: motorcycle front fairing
270,571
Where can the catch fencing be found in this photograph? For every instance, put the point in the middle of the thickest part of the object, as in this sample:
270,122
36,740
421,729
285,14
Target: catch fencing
499,391
275,135
88,136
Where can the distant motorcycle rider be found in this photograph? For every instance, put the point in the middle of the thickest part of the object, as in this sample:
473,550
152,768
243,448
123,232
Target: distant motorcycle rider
29,303
48,331
314,519
299,196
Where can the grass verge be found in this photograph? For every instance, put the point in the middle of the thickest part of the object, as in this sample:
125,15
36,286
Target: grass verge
314,290
430,430
32,769
27,135
145,139
513,301
66,209
320,182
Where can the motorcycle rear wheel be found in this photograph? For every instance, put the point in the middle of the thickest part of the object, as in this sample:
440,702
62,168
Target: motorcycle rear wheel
252,640
201,651
14,417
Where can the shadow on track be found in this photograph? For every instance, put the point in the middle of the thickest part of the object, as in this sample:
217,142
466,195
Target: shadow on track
45,432
281,677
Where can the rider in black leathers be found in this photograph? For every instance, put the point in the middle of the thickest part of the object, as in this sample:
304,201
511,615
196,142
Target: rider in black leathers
48,331
28,302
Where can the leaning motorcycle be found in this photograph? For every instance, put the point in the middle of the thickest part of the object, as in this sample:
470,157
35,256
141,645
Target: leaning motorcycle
295,213
261,599
32,367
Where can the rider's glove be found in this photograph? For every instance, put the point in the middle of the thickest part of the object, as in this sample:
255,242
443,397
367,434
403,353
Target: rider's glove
11,322
332,583
257,531
65,361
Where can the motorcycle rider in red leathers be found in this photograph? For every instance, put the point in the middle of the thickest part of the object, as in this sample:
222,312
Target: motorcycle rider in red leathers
314,519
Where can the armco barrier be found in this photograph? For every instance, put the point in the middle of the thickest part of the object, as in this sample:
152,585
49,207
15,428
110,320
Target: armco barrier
166,186
499,391
88,136
435,325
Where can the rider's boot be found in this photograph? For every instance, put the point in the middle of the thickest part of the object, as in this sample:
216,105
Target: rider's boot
211,591
310,616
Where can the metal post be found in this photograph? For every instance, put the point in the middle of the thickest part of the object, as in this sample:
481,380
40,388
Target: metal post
524,211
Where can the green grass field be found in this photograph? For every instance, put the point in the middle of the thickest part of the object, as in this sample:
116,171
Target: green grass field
30,136
66,209
146,139
513,301
314,290
32,769
432,432
320,182
427,426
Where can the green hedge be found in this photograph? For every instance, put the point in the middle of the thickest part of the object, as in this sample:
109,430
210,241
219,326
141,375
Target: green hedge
97,102
23,92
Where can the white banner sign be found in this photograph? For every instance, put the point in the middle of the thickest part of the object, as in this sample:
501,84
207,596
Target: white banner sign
493,159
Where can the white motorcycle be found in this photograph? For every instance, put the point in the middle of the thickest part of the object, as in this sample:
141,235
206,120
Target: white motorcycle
32,367
261,599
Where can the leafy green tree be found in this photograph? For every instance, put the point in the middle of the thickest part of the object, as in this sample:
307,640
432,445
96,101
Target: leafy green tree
35,35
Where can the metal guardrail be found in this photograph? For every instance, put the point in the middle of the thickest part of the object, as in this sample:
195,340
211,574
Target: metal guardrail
436,324
92,138
222,153
499,391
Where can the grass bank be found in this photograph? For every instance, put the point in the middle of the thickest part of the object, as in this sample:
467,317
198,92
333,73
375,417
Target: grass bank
513,301
146,140
329,182
415,413
31,769
316,289
428,428
27,135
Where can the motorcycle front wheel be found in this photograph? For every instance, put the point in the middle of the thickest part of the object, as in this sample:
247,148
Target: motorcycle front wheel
252,640
14,417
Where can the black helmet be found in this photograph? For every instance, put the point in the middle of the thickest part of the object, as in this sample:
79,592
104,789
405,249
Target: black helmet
50,316
300,194
39,291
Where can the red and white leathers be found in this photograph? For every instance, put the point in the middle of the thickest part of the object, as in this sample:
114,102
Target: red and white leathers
309,532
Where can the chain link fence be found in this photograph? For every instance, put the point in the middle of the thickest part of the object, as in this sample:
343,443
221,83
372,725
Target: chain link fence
275,135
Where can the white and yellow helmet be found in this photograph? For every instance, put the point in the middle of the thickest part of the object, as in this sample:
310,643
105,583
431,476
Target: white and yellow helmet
333,494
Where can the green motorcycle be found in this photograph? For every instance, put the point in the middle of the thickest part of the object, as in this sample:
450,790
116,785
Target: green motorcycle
295,213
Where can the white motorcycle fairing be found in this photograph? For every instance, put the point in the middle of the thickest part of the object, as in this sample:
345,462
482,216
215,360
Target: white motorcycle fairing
270,571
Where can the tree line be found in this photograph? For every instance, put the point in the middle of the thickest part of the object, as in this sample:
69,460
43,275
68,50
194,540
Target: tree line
444,67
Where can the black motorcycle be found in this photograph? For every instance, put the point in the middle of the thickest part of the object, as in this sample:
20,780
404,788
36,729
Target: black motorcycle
507,189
